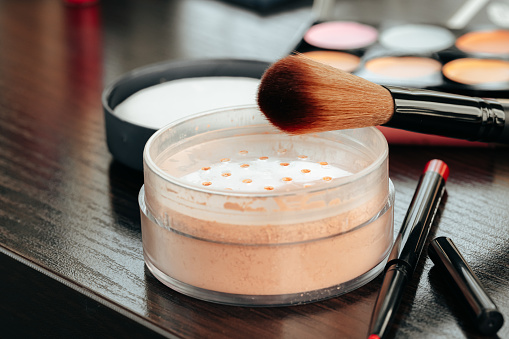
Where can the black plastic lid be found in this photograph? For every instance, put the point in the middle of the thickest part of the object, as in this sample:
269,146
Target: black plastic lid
126,140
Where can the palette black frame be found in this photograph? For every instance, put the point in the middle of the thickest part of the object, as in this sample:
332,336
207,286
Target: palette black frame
376,50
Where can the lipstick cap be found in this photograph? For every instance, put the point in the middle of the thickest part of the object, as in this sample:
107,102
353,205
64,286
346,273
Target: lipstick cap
445,255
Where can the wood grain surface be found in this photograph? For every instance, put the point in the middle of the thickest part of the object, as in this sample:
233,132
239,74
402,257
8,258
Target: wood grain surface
71,262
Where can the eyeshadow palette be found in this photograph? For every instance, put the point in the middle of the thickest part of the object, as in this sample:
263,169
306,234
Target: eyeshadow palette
472,61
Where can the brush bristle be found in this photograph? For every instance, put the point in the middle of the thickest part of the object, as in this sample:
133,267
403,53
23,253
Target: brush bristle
300,95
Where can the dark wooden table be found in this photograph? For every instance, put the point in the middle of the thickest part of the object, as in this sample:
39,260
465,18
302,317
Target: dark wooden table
71,260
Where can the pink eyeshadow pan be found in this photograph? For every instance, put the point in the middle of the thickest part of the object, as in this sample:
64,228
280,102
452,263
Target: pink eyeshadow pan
341,35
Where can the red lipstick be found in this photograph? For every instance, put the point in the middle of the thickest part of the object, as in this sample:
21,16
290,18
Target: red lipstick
408,245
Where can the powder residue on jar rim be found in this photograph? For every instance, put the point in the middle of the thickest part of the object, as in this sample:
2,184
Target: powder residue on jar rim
241,208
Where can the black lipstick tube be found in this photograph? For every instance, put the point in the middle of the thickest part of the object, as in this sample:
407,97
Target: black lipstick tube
466,286
449,115
408,245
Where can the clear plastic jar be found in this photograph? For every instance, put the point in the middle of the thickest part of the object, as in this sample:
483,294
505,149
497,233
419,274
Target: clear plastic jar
235,211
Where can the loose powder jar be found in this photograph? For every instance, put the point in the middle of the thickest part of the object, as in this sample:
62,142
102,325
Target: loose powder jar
235,211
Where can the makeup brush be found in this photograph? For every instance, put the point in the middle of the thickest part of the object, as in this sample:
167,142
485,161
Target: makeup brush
300,95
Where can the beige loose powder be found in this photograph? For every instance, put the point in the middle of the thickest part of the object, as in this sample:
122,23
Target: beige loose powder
266,260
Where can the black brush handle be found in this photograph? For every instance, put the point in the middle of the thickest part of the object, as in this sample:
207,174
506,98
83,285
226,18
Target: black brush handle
449,115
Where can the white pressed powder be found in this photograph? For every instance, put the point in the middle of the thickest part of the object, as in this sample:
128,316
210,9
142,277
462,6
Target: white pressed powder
159,105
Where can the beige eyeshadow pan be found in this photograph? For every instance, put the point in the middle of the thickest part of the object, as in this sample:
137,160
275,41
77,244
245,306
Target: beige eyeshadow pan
343,61
405,67
472,71
489,42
